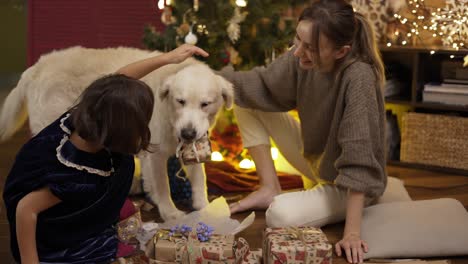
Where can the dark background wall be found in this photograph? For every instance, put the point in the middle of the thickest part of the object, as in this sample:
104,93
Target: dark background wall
56,24
13,41
30,28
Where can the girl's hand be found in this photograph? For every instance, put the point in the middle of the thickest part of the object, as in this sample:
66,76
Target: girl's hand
353,246
183,52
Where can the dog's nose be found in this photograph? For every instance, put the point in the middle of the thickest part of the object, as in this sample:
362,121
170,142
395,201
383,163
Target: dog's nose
188,134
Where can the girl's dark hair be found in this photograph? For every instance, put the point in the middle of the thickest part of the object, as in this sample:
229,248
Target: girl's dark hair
114,111
337,20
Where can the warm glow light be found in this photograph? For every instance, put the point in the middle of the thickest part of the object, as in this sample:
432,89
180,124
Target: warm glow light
161,4
216,156
241,3
432,52
403,42
246,164
274,153
389,44
452,56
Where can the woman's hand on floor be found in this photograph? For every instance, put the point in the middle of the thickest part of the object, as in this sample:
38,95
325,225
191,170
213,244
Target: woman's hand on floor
353,246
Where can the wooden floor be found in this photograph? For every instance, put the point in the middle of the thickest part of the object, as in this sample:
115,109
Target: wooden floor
420,184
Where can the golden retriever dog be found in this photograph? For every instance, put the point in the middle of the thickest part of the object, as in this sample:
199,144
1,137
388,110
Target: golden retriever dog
188,97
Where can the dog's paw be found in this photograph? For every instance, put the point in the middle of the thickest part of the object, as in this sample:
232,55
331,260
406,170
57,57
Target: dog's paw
199,204
172,214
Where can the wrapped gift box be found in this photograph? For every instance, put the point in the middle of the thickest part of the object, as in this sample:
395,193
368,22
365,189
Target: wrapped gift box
178,249
296,245
167,249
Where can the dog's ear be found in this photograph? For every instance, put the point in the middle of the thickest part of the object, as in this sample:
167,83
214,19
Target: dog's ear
164,91
227,91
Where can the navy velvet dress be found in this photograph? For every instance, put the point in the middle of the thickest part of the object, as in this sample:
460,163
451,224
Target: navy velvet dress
92,187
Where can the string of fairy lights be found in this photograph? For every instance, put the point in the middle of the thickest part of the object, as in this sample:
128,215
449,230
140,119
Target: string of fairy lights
448,24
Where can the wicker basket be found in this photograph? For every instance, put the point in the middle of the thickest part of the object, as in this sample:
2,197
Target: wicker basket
435,140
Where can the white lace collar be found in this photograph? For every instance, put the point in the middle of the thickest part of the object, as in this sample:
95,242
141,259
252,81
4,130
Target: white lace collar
72,164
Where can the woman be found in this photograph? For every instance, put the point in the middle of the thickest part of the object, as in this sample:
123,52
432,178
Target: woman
333,76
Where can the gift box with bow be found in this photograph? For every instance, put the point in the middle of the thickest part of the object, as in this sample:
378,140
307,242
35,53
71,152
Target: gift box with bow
296,245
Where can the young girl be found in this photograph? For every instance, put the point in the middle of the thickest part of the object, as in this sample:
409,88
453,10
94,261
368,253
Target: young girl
68,183
333,77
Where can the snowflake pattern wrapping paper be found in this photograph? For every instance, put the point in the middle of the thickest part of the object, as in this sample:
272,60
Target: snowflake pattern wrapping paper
302,245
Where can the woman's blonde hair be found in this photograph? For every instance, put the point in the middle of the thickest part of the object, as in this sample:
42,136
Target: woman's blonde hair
337,20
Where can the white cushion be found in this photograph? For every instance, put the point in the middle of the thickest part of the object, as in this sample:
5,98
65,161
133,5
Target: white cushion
412,229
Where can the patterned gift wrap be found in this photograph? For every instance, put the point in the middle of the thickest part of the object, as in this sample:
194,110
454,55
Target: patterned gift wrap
302,245
128,228
195,152
178,249
218,249
253,257
168,249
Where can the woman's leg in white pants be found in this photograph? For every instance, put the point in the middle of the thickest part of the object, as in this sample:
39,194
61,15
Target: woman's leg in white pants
321,205
256,128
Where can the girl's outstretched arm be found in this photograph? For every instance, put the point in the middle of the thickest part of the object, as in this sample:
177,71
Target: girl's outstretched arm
141,68
26,219
352,244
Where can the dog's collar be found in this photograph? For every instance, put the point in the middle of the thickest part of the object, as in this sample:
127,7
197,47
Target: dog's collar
99,163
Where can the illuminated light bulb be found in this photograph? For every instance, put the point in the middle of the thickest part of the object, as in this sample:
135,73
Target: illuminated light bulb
274,153
432,52
161,4
452,56
403,42
241,3
216,156
246,164
389,44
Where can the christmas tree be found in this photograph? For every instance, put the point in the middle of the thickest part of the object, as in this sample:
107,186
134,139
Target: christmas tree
243,33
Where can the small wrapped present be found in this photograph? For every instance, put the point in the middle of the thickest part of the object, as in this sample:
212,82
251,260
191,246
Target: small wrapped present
198,151
179,249
296,245
167,248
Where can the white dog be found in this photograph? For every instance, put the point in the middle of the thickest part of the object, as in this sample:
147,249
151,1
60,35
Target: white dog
187,98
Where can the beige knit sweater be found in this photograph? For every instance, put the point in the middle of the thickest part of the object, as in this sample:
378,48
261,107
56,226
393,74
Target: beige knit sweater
342,122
